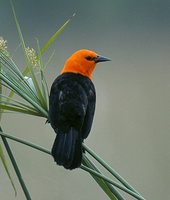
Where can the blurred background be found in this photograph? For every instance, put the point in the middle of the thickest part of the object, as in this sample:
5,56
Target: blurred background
131,129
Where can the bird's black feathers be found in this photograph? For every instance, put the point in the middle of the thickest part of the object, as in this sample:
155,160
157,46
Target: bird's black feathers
71,110
67,149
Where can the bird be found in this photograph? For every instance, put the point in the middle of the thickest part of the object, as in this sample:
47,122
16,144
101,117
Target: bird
72,102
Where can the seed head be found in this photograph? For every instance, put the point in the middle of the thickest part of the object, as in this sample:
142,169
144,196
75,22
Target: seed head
3,46
32,57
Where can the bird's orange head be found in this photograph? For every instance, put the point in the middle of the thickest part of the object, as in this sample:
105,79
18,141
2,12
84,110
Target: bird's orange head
83,62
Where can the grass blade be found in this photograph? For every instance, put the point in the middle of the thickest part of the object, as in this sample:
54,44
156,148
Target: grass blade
18,28
28,69
2,156
113,183
25,142
15,108
49,42
24,95
91,171
1,111
54,36
7,101
44,86
38,90
17,171
100,181
106,166
110,190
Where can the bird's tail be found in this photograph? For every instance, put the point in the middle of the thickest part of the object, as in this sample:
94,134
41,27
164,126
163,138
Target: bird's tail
67,149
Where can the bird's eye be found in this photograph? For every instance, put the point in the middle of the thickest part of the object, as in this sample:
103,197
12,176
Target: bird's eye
89,58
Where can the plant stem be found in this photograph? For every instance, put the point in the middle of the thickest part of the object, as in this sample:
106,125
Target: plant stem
14,163
91,171
106,166
91,165
112,182
25,142
24,96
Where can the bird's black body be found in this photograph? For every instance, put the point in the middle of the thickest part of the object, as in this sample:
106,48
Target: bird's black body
71,110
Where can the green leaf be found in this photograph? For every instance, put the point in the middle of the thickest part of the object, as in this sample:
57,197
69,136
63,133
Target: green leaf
34,146
100,181
109,169
16,168
14,80
49,42
2,156
56,34
29,68
16,108
38,90
42,95
88,169
18,27
1,111
6,100
44,86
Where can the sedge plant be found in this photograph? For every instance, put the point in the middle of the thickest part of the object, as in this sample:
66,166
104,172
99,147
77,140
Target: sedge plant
31,87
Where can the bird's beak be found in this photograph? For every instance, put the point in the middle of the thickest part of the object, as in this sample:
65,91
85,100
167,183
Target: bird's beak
101,59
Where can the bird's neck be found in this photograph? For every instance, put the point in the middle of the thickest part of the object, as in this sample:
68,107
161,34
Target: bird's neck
77,68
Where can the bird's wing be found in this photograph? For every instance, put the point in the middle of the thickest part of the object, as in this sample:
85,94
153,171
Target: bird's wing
67,104
88,120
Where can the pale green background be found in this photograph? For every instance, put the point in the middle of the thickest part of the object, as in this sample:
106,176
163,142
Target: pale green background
131,130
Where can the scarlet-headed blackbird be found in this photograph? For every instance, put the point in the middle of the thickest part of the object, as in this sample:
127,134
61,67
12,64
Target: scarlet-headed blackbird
71,107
